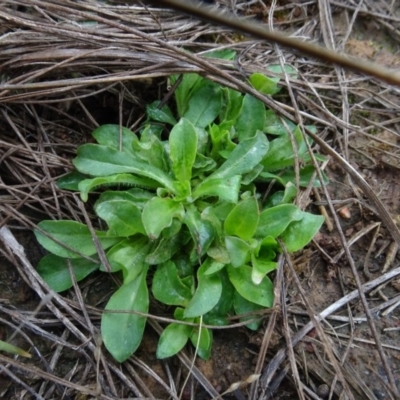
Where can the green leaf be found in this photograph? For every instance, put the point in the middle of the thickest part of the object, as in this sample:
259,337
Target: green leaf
121,213
224,54
306,174
166,248
224,306
242,221
299,233
88,185
116,137
281,154
73,234
225,188
204,343
238,250
261,294
158,214
243,306
9,348
263,84
275,126
99,160
273,221
129,256
55,271
219,254
71,181
168,288
214,267
288,69
282,197
183,148
232,105
190,84
246,155
207,294
251,118
200,229
173,339
122,332
160,115
151,150
261,268
204,106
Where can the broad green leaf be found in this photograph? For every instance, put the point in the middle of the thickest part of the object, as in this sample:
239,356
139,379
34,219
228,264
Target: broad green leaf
263,84
129,256
225,188
288,69
122,215
219,254
9,348
273,221
306,174
224,54
289,194
243,306
190,84
252,175
71,180
251,118
166,248
238,250
222,209
140,196
173,339
122,332
99,160
282,197
160,115
158,214
262,294
204,106
73,234
275,126
168,288
232,105
214,267
151,150
242,221
246,155
224,306
281,154
55,270
200,229
207,295
204,343
183,148
299,233
203,164
116,137
261,268
88,185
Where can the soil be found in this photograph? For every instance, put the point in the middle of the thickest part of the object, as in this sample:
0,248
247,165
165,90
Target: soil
235,351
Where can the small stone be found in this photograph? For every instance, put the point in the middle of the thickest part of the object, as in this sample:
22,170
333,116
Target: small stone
323,391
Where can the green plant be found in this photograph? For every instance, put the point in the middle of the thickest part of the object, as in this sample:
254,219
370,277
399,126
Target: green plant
186,216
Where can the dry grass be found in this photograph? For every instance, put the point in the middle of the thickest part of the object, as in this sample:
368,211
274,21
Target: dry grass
62,61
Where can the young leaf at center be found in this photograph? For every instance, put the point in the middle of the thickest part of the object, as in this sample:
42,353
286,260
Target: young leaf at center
183,148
